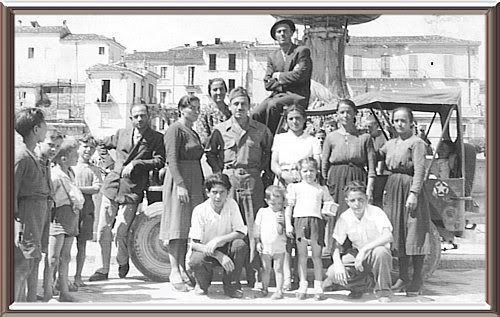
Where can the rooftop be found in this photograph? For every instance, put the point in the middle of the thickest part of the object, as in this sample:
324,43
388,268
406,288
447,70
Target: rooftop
36,28
89,37
111,68
179,56
423,39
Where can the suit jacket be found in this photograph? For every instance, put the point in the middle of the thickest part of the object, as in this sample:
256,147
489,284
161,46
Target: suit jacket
295,72
146,155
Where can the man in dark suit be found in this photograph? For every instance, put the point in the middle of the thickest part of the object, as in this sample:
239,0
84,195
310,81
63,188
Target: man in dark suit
139,149
288,76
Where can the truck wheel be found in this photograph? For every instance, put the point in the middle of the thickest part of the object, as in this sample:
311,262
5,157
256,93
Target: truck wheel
147,252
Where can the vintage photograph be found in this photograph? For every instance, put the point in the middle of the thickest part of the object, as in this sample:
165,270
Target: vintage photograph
234,160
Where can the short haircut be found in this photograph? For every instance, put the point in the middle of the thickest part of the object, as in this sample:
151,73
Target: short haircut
321,131
298,109
348,103
354,186
409,113
27,119
371,118
186,101
274,190
88,139
68,145
238,92
217,179
139,105
215,80
308,160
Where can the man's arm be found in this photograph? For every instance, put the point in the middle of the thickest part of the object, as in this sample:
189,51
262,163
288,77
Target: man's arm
215,152
157,159
336,272
301,72
270,83
384,238
267,143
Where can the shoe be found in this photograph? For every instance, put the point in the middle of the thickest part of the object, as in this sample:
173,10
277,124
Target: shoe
413,293
300,296
319,296
123,270
72,287
98,276
414,288
200,291
264,293
277,295
180,287
233,292
445,246
355,295
399,286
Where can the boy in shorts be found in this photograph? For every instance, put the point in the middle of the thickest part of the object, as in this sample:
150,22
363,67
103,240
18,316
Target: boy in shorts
88,180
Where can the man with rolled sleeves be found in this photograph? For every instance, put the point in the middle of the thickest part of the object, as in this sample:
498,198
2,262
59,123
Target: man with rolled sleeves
288,76
241,148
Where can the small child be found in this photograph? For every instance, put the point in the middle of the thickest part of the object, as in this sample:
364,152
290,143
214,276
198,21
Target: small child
68,200
305,204
31,202
88,180
270,238
46,151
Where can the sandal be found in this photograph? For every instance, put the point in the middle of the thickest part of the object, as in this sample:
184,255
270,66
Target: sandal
470,226
448,246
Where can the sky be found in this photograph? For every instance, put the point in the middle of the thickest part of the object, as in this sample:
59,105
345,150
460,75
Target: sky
157,32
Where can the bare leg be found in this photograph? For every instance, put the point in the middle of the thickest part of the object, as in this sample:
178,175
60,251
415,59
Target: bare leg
302,264
55,245
80,260
266,270
278,271
64,270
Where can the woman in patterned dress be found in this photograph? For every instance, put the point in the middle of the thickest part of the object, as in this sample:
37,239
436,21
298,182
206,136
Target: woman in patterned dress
410,218
182,188
347,155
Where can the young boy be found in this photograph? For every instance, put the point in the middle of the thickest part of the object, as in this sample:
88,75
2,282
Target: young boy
88,180
68,202
46,151
370,232
31,201
270,238
216,234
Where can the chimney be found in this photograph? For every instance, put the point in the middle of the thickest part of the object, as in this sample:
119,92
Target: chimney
186,45
199,43
64,22
135,51
217,40
35,24
114,39
20,22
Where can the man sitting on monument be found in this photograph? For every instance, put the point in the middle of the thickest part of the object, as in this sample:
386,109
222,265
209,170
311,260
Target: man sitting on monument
288,76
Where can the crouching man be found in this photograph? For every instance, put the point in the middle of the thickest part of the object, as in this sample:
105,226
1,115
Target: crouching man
369,259
216,235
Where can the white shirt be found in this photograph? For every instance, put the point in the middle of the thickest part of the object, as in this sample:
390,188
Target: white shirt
292,148
207,224
364,230
266,226
307,199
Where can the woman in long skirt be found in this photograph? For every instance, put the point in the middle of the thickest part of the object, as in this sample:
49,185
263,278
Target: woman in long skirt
405,158
347,155
182,188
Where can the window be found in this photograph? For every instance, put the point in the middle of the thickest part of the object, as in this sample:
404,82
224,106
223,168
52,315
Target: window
31,52
448,66
357,66
191,75
212,64
151,91
232,61
163,72
133,92
232,84
105,118
105,87
163,96
101,50
413,66
386,66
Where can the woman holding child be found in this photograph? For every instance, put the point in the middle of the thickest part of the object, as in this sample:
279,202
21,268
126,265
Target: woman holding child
183,187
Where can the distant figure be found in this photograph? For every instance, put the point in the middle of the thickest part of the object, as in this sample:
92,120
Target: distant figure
423,136
288,76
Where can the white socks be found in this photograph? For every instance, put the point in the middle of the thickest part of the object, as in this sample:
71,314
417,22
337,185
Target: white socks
317,287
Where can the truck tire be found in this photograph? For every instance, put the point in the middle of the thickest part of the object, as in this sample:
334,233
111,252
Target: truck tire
147,252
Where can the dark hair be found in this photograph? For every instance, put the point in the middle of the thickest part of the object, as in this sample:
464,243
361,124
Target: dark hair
298,109
408,112
215,80
88,139
320,131
348,103
217,179
354,186
27,119
186,101
54,134
139,105
69,144
274,190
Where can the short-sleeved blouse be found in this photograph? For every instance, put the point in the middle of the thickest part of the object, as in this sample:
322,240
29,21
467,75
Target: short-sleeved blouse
292,148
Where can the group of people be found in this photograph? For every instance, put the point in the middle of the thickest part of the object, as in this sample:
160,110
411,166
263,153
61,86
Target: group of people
269,195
